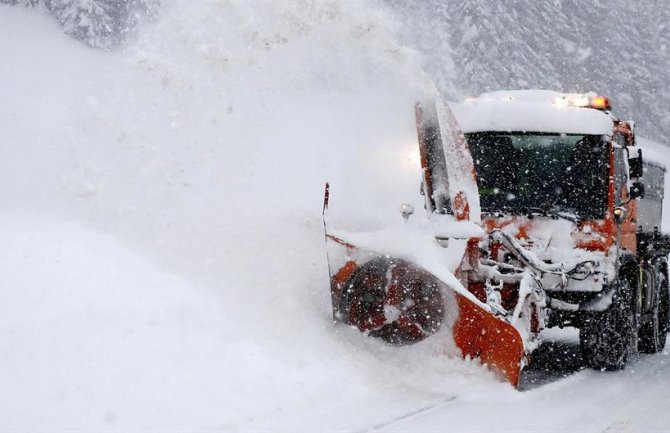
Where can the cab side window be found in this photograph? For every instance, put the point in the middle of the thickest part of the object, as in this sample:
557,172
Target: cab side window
620,168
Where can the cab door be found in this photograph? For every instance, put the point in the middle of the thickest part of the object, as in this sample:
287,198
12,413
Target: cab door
621,193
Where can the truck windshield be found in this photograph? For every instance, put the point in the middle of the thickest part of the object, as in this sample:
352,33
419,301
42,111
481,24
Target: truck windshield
530,172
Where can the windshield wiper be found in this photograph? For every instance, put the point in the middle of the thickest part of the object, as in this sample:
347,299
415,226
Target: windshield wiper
566,216
553,213
499,212
531,211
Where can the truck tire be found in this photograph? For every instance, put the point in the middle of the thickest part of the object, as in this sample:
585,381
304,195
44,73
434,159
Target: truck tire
654,333
606,337
393,300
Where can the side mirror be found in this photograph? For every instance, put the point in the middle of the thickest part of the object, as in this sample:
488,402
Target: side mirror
635,165
619,214
636,190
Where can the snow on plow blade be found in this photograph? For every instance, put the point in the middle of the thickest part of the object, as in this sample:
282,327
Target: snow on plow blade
393,275
395,300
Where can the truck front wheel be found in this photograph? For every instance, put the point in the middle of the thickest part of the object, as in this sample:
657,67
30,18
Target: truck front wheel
606,337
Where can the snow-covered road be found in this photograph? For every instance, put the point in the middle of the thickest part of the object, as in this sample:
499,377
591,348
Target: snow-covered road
557,395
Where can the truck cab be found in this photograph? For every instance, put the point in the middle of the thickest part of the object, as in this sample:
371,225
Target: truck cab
573,211
542,209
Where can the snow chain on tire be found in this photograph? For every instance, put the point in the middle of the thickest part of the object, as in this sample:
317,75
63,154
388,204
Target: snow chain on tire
605,337
654,333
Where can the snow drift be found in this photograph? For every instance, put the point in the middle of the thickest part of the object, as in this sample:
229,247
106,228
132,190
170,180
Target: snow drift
162,220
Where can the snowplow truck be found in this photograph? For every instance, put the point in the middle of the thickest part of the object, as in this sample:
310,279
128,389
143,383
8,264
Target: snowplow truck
541,211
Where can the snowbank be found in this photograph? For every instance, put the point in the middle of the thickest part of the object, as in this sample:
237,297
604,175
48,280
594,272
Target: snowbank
95,336
162,222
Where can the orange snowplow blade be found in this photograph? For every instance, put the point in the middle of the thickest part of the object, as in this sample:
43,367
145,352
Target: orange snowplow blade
366,285
495,342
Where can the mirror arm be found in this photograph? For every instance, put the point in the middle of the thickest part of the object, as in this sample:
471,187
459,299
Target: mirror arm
623,203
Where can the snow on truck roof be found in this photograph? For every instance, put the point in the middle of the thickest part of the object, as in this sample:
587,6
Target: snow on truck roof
652,152
534,111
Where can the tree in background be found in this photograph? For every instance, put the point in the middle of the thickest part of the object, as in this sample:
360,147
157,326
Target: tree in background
93,21
618,48
100,23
